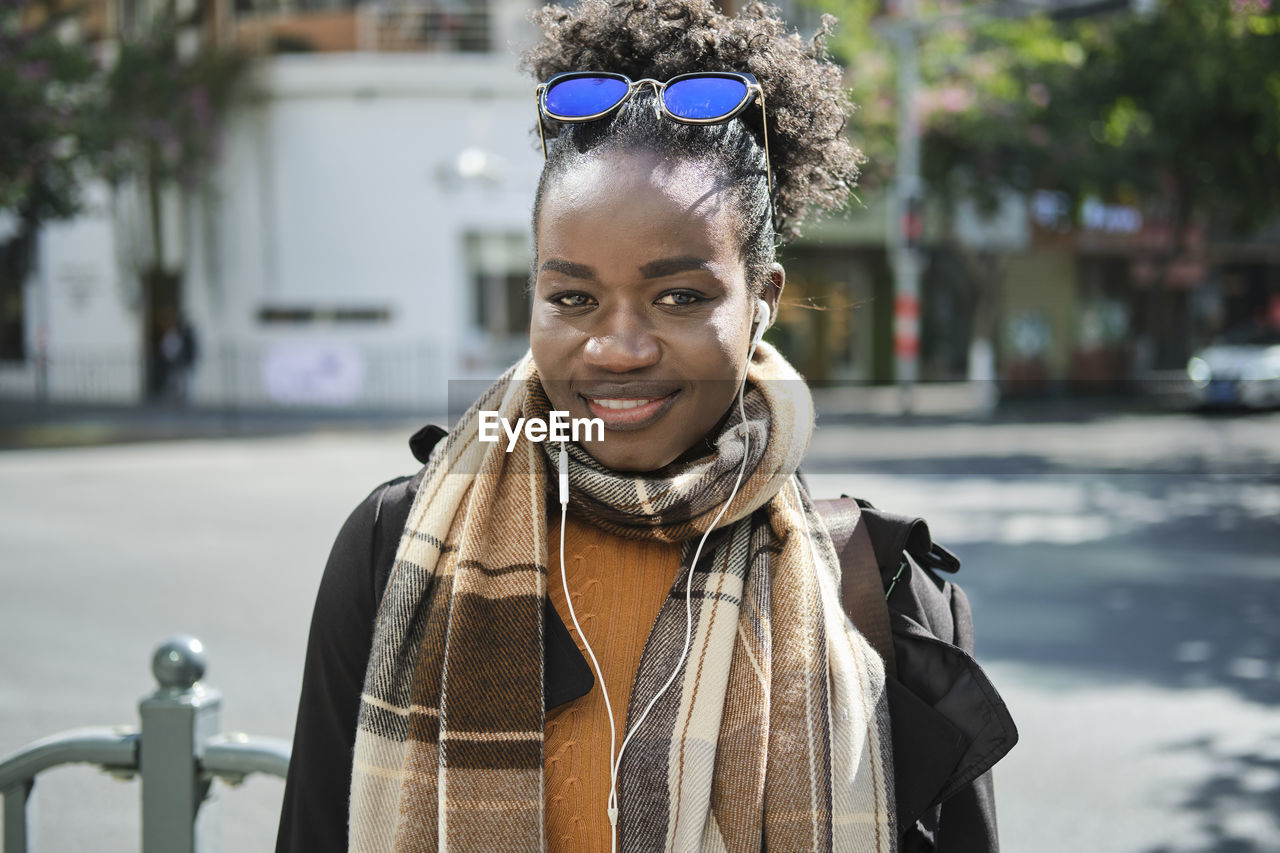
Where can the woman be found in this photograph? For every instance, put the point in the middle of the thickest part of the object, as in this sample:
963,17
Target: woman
732,706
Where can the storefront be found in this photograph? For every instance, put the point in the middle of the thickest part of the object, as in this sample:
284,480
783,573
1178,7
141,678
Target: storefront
1091,307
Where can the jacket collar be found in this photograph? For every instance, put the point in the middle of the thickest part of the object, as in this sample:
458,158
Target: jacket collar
949,723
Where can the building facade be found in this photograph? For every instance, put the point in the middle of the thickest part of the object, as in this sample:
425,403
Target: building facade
363,239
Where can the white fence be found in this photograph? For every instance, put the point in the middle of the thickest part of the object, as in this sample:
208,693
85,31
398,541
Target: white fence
282,374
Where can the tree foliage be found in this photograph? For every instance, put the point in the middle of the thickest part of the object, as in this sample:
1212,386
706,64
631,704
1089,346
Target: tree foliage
163,111
1184,105
66,117
49,87
1177,108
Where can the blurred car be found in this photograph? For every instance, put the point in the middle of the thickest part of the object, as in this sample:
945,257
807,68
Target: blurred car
1240,368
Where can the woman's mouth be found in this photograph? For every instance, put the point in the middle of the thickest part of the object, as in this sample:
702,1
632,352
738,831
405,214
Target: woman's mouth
629,413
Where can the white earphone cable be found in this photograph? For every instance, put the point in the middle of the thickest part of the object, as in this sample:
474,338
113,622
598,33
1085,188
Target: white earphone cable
615,761
568,600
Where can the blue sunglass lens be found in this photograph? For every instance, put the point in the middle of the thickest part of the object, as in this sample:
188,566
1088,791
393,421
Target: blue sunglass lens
704,97
584,96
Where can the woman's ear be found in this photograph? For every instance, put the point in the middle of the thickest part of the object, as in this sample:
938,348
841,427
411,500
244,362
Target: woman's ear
774,282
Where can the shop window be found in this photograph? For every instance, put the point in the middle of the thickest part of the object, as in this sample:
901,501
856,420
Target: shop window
498,270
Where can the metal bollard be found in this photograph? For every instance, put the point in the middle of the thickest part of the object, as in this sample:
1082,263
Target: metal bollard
179,810
178,752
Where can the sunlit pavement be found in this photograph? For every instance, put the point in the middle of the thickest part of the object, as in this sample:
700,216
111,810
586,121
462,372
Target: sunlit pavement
1122,570
1126,588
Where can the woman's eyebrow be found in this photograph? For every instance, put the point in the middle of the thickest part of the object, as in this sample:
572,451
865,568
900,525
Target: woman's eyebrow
671,266
569,268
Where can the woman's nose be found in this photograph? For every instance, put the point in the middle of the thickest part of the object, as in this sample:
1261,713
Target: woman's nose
626,343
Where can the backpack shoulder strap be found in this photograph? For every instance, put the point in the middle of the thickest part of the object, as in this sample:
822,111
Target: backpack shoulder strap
861,589
425,440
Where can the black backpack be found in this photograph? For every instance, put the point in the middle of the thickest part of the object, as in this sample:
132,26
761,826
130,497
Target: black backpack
949,723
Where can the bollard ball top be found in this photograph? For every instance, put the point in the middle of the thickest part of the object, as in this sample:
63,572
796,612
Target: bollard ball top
179,662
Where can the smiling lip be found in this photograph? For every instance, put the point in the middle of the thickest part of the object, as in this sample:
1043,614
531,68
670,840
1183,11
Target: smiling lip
628,412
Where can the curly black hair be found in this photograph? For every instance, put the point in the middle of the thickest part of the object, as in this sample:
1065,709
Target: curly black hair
814,165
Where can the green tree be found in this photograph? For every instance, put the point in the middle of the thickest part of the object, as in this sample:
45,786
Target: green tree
1180,110
1176,110
973,105
163,114
48,89
151,115
1180,106
164,108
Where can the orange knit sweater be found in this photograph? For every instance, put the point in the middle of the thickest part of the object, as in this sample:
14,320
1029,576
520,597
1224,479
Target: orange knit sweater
618,586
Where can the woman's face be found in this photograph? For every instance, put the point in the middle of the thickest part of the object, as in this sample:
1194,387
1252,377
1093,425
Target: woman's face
641,310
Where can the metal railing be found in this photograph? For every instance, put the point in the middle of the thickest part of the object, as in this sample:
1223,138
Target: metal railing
452,26
333,373
446,26
177,751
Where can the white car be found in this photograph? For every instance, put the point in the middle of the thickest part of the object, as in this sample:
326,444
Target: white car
1241,368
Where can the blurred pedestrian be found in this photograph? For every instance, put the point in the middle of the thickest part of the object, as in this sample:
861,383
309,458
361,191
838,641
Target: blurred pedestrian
179,350
635,641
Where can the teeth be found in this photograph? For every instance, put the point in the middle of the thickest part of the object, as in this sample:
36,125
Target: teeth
610,403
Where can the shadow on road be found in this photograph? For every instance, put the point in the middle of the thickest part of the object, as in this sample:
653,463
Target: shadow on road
1099,558
1144,574
1177,633
1236,803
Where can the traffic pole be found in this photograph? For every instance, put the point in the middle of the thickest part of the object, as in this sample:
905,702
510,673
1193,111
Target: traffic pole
907,213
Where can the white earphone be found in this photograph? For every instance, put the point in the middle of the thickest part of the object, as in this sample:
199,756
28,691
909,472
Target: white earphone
762,320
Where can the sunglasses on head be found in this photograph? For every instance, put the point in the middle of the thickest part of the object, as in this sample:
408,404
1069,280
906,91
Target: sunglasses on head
703,97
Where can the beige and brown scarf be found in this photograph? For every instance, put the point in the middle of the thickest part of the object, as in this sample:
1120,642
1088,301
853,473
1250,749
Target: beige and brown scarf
775,735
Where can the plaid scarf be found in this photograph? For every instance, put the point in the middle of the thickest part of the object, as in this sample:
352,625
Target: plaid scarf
775,735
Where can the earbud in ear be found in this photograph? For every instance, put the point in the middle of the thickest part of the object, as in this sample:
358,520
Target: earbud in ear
763,314
763,320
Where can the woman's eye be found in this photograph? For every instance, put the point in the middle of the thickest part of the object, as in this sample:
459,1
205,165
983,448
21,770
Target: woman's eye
679,298
571,300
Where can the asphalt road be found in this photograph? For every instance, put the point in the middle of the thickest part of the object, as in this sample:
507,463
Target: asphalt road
1125,583
1122,570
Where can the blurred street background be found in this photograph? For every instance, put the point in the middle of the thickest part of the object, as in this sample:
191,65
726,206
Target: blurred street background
246,244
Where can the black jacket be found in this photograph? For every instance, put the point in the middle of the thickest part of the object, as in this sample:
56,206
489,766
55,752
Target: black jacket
949,725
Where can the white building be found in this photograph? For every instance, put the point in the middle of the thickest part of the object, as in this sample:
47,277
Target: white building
369,235
364,239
